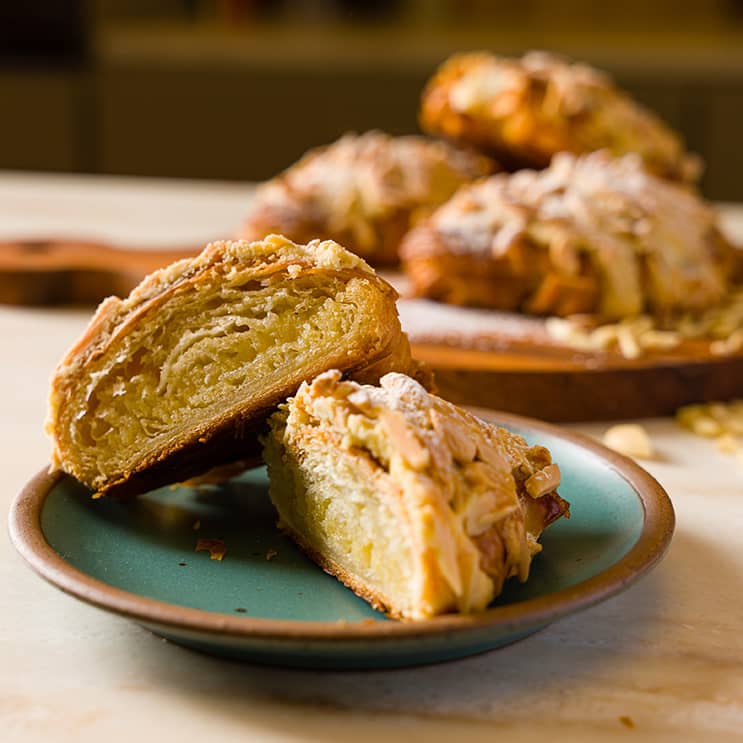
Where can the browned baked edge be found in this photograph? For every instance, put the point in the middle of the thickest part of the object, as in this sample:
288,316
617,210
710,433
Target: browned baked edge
377,601
452,274
234,435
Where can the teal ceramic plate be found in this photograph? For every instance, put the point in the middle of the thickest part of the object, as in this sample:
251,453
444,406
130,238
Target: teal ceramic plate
265,602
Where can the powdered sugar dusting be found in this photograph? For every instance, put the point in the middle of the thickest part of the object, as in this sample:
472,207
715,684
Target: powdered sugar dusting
426,321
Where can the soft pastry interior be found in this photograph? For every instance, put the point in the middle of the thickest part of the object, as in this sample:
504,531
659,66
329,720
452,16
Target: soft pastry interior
170,380
415,504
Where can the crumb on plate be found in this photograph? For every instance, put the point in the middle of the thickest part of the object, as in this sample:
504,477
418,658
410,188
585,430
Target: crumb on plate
215,547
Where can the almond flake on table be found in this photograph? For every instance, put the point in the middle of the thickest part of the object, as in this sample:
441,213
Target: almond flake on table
720,421
630,439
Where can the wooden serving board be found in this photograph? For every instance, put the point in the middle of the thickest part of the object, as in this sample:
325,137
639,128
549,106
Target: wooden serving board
51,271
490,359
579,390
505,361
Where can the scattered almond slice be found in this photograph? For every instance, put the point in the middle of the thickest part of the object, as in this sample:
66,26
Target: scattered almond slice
732,344
630,439
721,421
722,325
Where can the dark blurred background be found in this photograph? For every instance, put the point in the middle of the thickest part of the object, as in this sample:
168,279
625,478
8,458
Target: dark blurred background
238,89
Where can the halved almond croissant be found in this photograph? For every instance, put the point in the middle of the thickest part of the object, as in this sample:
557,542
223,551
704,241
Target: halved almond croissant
418,506
175,378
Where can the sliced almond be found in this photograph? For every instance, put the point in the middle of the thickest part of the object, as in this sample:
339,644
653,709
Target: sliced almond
544,481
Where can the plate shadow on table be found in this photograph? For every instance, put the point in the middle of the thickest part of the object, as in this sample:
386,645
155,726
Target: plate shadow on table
647,620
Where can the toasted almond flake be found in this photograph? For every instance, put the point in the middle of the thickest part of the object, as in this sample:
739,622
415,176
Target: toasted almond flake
560,329
628,344
633,336
706,426
458,437
544,481
630,439
404,440
661,340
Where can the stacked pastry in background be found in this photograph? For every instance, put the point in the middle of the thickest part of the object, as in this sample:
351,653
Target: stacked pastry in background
611,234
363,191
524,111
597,221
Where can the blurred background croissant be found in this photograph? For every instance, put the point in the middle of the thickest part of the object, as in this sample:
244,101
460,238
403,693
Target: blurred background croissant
239,89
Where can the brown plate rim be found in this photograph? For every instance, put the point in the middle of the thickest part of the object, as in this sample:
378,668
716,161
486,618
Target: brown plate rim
658,525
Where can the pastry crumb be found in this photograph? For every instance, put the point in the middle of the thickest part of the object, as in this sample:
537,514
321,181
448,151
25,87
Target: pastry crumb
634,336
271,554
627,721
197,525
215,547
630,439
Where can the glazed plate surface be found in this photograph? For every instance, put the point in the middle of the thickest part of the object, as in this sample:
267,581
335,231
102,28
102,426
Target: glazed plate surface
265,602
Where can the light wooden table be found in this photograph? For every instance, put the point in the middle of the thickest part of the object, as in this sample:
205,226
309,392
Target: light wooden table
663,661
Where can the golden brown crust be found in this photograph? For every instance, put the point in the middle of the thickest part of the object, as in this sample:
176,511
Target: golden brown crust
363,191
524,111
588,235
439,269
229,431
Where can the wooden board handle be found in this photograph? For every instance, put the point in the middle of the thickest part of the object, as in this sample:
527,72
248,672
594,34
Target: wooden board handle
44,272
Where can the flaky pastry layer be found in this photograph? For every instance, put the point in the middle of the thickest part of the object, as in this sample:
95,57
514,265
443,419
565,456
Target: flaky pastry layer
175,378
